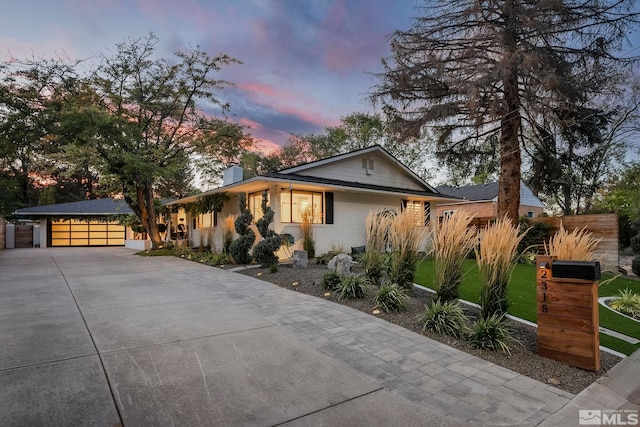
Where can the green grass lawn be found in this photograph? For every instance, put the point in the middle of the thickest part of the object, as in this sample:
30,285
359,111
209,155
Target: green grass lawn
522,298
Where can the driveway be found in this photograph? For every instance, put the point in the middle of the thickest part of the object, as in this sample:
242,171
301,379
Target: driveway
99,336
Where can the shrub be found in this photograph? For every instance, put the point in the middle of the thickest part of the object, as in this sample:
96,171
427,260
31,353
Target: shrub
308,244
635,244
375,265
635,265
453,239
331,280
405,239
577,245
391,297
535,233
444,318
491,333
496,255
240,247
265,250
627,303
181,251
352,287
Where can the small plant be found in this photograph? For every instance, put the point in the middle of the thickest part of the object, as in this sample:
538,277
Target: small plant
352,287
577,245
390,298
375,265
331,280
453,239
627,303
496,256
181,251
491,333
444,318
273,269
635,265
308,243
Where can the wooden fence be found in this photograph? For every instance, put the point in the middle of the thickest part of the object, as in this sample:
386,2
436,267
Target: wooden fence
602,226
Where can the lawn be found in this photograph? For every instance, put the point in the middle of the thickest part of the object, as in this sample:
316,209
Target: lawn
522,298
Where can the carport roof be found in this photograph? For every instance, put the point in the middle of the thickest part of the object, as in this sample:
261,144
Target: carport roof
94,207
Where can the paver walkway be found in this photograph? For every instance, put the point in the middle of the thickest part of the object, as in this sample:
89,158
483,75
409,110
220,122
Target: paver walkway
103,337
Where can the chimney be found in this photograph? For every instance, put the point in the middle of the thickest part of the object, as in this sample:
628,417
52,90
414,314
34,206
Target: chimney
231,175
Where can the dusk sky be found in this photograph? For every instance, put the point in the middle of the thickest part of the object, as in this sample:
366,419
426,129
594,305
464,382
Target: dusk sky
304,63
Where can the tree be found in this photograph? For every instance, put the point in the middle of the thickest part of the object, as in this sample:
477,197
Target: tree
141,115
29,91
476,70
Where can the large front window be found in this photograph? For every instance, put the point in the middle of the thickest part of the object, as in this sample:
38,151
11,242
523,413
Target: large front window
295,205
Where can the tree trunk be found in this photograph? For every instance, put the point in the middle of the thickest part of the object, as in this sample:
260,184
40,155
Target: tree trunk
148,215
510,158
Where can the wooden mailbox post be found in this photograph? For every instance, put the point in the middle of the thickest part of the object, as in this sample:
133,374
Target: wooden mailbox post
568,316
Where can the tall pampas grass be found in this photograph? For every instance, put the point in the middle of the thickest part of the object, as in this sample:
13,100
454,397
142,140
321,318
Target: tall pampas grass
577,245
308,242
374,259
453,239
496,256
405,238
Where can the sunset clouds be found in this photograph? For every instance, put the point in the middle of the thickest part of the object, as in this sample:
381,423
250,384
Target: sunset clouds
304,63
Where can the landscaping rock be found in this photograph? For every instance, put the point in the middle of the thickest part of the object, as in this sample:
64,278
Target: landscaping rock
300,259
341,263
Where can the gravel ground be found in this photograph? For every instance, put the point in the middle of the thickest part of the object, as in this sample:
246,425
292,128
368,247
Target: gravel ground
523,358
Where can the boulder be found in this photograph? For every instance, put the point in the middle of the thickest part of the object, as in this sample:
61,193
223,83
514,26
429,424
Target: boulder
300,259
341,263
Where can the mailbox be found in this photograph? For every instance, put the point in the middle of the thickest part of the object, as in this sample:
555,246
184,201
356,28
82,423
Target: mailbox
585,270
567,300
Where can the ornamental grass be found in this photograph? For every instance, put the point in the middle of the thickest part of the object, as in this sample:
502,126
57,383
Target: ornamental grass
228,231
496,255
405,239
577,245
374,259
453,239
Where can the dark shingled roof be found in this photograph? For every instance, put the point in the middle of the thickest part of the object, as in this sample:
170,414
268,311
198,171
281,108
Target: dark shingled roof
107,206
472,192
327,181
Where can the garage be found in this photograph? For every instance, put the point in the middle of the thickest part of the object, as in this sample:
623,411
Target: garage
79,224
74,232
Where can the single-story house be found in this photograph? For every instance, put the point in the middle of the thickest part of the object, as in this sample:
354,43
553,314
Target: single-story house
340,191
481,200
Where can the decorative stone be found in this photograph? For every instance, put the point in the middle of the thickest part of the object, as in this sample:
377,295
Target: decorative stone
341,263
300,259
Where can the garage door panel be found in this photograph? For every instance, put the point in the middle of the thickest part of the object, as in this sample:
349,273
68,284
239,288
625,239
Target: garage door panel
78,233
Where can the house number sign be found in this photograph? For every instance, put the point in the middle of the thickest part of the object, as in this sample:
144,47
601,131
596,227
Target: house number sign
567,316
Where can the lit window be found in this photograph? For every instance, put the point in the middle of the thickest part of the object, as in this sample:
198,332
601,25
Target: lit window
295,204
255,204
419,210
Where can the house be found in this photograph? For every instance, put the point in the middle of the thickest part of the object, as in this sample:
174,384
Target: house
340,191
482,201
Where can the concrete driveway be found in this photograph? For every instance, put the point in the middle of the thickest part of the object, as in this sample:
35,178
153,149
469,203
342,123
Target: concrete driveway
99,336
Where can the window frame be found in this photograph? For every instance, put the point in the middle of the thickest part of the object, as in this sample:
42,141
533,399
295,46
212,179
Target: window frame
290,194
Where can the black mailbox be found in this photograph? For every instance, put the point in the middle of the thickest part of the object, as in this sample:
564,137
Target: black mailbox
586,270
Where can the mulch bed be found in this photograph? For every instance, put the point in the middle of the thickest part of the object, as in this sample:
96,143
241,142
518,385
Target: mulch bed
523,359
